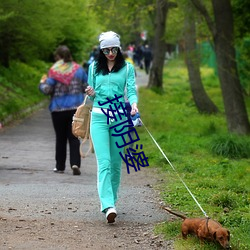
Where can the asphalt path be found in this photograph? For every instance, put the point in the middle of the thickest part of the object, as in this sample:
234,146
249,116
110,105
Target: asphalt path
29,188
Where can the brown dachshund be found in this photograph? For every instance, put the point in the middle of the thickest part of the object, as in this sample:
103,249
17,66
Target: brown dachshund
204,229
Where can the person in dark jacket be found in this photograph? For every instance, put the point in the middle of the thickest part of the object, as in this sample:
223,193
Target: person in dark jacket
147,54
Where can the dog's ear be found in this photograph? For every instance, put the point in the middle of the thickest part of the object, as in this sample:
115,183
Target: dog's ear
228,237
214,235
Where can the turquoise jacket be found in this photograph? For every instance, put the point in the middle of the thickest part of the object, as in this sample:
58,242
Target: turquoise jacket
114,83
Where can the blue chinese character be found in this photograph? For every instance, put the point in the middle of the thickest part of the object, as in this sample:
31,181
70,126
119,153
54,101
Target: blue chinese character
112,113
130,137
110,101
136,158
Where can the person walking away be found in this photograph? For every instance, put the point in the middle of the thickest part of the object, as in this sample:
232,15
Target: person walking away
108,77
65,84
147,54
139,55
92,56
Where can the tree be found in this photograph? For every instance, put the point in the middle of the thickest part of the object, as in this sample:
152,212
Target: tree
159,46
242,33
28,33
201,99
241,17
223,38
127,17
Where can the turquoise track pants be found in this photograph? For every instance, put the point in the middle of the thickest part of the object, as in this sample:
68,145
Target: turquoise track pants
109,161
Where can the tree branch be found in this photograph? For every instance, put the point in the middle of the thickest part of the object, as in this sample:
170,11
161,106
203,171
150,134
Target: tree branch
202,9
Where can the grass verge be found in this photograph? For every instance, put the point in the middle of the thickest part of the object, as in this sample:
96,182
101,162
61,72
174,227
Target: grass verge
19,89
214,164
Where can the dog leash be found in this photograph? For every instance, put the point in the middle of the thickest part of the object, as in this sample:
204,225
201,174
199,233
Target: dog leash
175,170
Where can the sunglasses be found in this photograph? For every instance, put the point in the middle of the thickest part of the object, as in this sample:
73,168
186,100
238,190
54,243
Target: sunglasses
106,51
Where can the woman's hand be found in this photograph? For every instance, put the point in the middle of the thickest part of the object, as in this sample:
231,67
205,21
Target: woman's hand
90,91
134,109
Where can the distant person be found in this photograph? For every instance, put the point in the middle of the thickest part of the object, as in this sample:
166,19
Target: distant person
138,55
128,59
107,80
65,84
147,54
130,51
93,56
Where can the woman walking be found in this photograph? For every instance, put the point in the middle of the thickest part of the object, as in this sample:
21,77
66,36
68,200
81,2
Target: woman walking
65,84
108,78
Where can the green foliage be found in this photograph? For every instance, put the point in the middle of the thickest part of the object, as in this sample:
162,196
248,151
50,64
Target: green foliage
224,200
241,17
175,28
19,87
128,18
29,33
243,59
219,183
169,229
175,25
231,146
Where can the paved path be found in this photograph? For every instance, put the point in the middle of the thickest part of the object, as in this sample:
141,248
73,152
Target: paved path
141,78
29,189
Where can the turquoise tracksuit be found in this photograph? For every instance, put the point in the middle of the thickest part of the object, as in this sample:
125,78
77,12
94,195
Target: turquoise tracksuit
107,154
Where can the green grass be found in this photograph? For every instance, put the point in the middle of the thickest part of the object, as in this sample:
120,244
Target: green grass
19,88
214,164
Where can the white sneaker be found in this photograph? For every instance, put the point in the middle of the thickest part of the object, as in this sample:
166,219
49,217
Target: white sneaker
76,170
111,214
58,171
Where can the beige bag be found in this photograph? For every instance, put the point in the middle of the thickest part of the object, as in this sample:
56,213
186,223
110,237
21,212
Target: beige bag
81,126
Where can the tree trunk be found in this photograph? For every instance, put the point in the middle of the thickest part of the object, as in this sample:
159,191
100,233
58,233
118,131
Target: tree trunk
235,109
223,38
201,99
159,47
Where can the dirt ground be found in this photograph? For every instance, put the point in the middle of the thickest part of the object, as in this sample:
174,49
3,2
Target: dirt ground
20,233
40,209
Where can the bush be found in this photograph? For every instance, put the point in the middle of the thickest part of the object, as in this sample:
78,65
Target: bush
19,88
231,146
223,200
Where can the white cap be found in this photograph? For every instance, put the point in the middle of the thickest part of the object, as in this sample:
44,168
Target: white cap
109,39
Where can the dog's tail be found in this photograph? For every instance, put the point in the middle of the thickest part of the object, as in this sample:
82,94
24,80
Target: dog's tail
175,213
